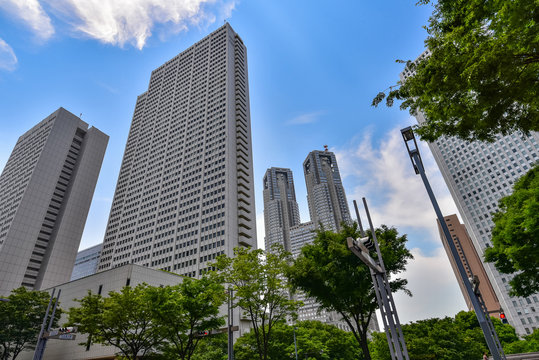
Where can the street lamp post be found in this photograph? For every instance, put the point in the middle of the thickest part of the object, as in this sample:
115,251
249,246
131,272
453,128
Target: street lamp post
295,344
482,316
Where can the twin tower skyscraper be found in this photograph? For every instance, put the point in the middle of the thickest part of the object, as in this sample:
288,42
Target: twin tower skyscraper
325,195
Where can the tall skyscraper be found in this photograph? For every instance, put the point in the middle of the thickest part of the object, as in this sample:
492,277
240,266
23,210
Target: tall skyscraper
325,193
185,190
327,206
281,210
86,262
472,264
46,189
478,174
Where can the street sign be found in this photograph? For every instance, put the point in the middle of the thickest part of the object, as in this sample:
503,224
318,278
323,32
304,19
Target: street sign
216,331
54,334
62,337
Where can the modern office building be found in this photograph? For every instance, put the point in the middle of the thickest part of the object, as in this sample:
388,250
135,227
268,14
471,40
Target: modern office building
281,211
478,174
99,283
325,193
472,264
185,189
327,207
46,189
86,262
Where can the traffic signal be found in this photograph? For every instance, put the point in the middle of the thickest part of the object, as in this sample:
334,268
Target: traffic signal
503,318
203,333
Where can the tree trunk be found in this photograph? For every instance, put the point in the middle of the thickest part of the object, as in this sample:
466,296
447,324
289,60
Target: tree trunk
365,345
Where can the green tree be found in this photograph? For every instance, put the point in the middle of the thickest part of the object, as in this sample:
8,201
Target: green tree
458,338
529,344
183,310
315,340
480,79
214,347
260,288
123,319
20,320
330,273
515,236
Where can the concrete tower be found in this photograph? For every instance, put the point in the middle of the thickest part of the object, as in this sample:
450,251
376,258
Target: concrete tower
478,174
45,193
281,210
185,190
325,193
472,264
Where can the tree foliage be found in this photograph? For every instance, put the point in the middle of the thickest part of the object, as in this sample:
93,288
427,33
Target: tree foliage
330,273
314,340
144,320
213,347
20,320
453,339
123,319
530,343
260,288
515,236
458,338
183,310
481,78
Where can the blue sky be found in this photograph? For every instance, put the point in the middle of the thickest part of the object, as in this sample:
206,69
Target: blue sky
314,67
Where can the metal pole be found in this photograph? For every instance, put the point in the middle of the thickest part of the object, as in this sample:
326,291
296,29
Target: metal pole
481,316
359,220
230,324
295,344
54,309
387,296
39,338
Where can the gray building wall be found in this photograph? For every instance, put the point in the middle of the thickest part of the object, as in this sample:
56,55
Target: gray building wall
100,283
478,174
281,210
86,262
325,193
185,190
45,193
327,206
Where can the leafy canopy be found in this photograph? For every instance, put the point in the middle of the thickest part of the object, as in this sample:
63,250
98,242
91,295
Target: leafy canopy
458,338
20,320
314,340
260,288
183,310
123,319
515,236
329,272
481,78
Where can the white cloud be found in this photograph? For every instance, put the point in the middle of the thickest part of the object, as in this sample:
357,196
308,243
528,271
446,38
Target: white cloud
32,14
384,175
434,287
307,118
8,60
120,22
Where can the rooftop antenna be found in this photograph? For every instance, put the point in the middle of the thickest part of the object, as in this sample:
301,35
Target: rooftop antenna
80,116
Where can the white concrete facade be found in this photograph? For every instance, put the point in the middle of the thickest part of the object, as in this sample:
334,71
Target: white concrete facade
185,190
46,189
478,174
100,283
